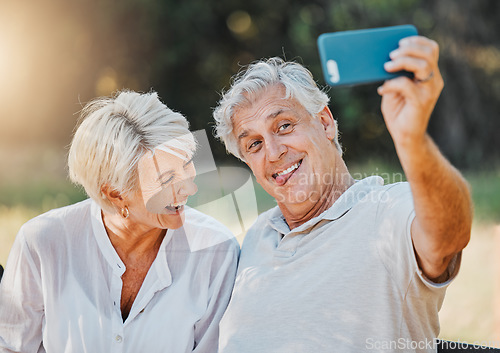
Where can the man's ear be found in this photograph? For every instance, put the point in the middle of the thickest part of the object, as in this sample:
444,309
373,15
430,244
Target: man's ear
112,195
328,122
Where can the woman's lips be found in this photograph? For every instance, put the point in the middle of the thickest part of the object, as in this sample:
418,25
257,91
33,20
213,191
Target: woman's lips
176,207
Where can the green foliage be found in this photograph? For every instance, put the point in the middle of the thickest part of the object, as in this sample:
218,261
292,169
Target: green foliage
188,50
41,195
485,186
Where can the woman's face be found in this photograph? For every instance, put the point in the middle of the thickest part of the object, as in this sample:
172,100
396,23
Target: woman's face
165,183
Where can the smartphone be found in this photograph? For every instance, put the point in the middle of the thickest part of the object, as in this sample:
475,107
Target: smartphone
357,57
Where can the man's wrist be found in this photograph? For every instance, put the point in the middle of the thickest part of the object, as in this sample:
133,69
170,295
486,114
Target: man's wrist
411,143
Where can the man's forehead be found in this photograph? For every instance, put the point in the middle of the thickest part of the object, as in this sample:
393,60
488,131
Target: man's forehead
267,111
273,92
244,125
262,103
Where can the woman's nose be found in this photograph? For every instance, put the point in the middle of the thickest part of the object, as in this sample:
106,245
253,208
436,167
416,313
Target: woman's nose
189,187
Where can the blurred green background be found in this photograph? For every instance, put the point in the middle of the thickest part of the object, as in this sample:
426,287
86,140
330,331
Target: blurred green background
55,55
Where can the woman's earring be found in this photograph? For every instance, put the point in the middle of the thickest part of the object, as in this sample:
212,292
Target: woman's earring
125,212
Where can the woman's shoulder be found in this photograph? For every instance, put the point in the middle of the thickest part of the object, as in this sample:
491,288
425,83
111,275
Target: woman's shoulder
57,221
204,231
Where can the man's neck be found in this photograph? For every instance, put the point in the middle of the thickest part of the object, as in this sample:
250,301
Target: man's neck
296,215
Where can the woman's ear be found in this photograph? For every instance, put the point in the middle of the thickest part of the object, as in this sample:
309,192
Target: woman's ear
112,195
328,122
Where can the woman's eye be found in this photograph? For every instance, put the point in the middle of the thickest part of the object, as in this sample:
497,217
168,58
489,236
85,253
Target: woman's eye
166,182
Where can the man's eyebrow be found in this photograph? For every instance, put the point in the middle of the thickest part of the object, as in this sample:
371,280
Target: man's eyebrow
270,116
243,135
274,115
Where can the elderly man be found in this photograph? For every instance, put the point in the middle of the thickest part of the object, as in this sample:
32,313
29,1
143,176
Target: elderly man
341,265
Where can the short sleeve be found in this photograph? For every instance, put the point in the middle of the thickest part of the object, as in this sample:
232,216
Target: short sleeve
450,273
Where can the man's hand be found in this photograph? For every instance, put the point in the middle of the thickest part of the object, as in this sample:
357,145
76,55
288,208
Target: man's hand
407,104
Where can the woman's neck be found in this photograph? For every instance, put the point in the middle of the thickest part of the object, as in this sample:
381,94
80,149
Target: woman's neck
132,241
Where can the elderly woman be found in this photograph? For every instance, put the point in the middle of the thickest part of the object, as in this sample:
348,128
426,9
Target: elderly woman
128,270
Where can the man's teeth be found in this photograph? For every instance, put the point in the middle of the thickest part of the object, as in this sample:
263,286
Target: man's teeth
289,170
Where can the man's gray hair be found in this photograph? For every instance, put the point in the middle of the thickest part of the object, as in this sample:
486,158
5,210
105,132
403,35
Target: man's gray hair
114,133
257,77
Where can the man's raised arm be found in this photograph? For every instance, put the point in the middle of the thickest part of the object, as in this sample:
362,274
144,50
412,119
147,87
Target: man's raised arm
441,195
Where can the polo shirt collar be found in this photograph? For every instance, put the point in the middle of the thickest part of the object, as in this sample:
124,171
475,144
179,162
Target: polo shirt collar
340,207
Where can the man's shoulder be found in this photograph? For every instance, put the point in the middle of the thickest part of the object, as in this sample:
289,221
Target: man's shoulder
374,189
399,186
261,227
392,200
262,220
396,191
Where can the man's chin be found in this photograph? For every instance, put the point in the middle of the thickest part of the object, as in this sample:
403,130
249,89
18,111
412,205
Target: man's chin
292,197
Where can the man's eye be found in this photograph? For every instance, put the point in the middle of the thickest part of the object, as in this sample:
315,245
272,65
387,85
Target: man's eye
254,145
284,126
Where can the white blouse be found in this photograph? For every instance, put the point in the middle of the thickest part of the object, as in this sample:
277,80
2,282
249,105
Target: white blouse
61,288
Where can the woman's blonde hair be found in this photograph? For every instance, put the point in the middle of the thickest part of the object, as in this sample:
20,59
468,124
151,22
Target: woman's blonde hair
114,133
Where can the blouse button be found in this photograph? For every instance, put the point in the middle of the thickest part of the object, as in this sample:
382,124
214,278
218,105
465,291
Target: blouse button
118,338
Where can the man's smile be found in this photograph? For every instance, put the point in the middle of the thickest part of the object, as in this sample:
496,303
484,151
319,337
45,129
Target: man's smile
282,176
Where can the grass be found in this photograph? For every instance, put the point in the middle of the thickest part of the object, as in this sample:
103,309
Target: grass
471,305
11,218
486,194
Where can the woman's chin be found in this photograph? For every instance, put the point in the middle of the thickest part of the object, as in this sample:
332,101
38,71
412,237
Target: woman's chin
172,220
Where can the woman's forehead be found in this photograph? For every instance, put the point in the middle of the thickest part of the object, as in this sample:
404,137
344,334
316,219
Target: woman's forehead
161,161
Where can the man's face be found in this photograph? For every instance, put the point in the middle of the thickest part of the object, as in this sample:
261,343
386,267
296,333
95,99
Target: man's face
289,151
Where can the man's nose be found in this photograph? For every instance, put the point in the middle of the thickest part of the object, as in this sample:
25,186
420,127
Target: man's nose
275,149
